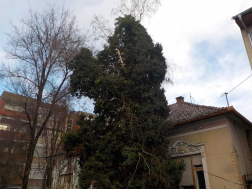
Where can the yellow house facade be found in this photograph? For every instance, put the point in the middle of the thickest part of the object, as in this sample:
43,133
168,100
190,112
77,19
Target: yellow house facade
213,143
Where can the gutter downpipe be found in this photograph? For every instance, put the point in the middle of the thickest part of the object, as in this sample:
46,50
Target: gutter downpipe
244,26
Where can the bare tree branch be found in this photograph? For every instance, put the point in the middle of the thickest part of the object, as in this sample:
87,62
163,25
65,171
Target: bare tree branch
145,163
41,50
137,8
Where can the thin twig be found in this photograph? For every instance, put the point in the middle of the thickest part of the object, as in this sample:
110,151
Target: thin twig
131,126
147,153
145,163
136,167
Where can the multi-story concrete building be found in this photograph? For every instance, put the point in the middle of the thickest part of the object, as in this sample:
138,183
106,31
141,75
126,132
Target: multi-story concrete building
14,134
65,170
13,142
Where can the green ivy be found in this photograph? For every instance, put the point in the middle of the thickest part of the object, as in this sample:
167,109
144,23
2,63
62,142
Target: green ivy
125,144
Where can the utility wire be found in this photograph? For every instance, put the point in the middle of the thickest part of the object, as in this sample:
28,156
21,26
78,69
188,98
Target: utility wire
240,83
217,176
225,94
224,178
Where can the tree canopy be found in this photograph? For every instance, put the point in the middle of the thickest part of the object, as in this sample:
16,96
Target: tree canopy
125,144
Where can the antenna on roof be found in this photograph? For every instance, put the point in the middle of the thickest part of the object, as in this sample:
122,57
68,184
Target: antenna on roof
191,98
226,98
234,89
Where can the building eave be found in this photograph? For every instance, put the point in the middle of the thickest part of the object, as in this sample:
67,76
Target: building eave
246,18
243,13
229,110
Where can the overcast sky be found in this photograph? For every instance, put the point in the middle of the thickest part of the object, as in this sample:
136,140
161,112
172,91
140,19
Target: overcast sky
198,36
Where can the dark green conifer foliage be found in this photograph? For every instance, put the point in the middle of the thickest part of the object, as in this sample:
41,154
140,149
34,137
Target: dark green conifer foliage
125,145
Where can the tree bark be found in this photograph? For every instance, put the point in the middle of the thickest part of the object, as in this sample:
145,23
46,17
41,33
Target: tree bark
47,180
28,163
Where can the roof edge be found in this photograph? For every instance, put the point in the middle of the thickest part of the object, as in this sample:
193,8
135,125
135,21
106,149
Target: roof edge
243,13
229,109
240,116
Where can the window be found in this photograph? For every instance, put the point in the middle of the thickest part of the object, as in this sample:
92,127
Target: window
40,152
188,187
13,107
36,173
43,134
200,177
193,176
3,127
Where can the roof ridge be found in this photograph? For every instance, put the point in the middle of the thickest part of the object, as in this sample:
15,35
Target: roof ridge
183,111
198,105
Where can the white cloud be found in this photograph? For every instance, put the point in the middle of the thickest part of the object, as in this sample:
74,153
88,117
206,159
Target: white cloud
197,35
201,38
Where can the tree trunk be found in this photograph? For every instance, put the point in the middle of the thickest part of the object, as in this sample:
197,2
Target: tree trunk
45,177
47,180
28,163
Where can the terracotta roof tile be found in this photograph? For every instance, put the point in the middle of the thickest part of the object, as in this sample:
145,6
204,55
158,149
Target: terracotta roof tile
184,111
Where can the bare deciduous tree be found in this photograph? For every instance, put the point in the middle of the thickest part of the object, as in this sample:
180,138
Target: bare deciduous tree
101,28
137,8
52,140
42,50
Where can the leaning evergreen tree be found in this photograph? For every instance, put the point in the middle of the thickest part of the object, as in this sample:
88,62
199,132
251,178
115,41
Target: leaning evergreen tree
125,144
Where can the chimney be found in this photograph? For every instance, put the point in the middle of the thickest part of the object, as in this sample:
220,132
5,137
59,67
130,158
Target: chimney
180,99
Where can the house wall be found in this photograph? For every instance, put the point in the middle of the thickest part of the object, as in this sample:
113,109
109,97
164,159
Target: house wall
63,169
247,43
240,145
219,156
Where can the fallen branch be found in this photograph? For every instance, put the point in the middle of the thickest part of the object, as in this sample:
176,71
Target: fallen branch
119,54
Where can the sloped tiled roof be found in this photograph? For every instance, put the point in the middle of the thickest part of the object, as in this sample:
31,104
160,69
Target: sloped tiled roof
184,111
